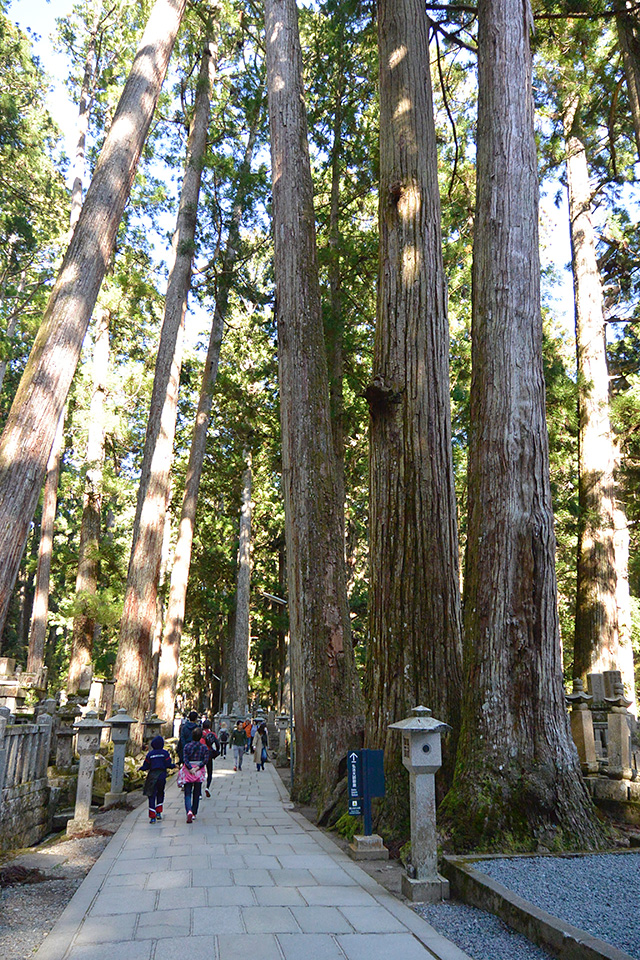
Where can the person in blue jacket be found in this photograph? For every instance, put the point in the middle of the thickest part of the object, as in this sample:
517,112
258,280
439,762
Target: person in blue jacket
187,727
157,762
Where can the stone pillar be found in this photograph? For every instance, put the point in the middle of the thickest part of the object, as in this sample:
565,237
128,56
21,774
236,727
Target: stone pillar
582,727
4,720
422,756
89,729
64,737
595,686
84,684
619,735
45,725
120,725
282,722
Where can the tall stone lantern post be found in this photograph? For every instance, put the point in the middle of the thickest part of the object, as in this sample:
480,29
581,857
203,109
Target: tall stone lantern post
422,756
120,724
89,729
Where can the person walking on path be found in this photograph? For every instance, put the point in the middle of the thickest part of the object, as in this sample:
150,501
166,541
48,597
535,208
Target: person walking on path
248,732
194,773
187,727
260,744
157,762
223,737
212,744
238,741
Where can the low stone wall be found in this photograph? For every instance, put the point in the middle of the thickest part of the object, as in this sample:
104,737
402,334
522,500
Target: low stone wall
26,814
26,808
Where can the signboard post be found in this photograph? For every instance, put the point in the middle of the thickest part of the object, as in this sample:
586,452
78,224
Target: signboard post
365,780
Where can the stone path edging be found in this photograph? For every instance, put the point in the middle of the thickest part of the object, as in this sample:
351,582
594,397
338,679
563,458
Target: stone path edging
561,938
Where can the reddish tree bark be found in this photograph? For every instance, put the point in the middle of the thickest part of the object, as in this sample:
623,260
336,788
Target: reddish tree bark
327,697
517,773
133,669
31,425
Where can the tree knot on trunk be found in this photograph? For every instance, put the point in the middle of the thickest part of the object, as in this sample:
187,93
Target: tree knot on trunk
396,190
380,396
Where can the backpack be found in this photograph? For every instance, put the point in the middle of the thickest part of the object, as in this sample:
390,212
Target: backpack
211,741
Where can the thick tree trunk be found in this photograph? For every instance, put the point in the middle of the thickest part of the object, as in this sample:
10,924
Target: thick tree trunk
517,780
415,650
326,690
133,663
596,628
84,623
30,429
238,672
628,27
40,609
170,651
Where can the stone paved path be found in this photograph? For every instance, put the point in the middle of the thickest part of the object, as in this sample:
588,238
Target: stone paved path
250,879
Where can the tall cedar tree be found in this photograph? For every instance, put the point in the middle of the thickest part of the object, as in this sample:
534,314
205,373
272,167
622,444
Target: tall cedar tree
84,622
327,698
133,663
517,775
170,651
415,648
87,565
30,429
596,645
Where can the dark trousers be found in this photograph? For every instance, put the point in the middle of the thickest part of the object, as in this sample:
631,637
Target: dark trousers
189,803
157,797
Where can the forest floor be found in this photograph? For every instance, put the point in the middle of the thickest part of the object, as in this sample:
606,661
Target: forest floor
37,883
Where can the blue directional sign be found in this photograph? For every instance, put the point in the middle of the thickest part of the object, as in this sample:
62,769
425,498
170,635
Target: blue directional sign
365,779
354,779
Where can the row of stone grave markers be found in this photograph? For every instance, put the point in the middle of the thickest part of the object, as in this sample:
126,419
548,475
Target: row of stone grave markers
604,733
37,765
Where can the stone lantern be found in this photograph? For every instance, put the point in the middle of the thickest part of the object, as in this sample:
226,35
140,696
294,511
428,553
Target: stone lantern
89,729
152,726
120,724
422,756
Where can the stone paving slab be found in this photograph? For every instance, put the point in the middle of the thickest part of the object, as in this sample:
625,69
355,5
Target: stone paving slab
250,879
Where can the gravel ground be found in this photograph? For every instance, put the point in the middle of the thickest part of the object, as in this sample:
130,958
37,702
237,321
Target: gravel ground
599,893
481,935
29,911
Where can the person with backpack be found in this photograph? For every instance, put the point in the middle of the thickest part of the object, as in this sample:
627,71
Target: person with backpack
187,727
223,737
260,745
210,741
